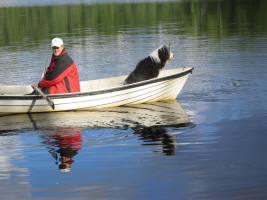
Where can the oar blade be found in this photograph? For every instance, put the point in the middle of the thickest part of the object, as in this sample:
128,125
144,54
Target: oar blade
49,101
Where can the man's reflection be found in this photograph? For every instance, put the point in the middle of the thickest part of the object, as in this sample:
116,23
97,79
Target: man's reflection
64,145
65,157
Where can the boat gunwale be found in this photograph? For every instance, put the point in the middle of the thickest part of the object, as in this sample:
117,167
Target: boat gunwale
101,91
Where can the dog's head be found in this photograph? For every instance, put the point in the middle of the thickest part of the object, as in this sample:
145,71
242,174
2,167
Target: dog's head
162,54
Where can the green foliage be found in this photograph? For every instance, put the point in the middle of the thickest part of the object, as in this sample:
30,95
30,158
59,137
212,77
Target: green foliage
31,25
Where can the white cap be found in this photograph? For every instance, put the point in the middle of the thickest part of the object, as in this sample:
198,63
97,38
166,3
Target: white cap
65,170
56,42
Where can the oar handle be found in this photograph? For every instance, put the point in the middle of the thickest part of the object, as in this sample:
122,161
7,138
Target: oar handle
49,101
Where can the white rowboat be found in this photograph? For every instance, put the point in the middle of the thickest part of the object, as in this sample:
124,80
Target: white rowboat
95,94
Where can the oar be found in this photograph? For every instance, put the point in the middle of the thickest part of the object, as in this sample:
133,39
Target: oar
44,69
49,101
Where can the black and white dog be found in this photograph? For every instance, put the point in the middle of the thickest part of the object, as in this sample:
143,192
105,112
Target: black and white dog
150,67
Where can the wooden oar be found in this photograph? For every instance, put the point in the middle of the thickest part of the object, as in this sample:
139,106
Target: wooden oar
49,101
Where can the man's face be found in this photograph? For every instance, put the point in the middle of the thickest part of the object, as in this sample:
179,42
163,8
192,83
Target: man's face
57,50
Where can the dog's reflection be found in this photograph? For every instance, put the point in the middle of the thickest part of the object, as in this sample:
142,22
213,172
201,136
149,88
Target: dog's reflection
157,135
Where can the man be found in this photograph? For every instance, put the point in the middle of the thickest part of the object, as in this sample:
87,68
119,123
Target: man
62,75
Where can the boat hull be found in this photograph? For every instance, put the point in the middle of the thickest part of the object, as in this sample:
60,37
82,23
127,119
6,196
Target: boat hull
166,87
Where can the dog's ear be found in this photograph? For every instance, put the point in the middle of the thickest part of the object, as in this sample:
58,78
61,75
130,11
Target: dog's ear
168,46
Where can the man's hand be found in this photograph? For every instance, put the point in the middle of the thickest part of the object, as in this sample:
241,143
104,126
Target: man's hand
35,85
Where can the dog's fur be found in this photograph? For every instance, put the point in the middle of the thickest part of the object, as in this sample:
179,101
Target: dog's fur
150,66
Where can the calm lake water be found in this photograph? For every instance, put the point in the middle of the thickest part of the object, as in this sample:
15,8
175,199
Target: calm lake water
210,143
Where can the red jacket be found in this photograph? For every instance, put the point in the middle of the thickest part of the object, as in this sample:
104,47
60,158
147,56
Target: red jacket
61,76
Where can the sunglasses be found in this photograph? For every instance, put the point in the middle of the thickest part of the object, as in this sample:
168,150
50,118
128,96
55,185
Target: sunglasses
55,47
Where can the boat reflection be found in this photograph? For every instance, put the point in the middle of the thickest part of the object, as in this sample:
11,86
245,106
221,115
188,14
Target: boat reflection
64,133
165,113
